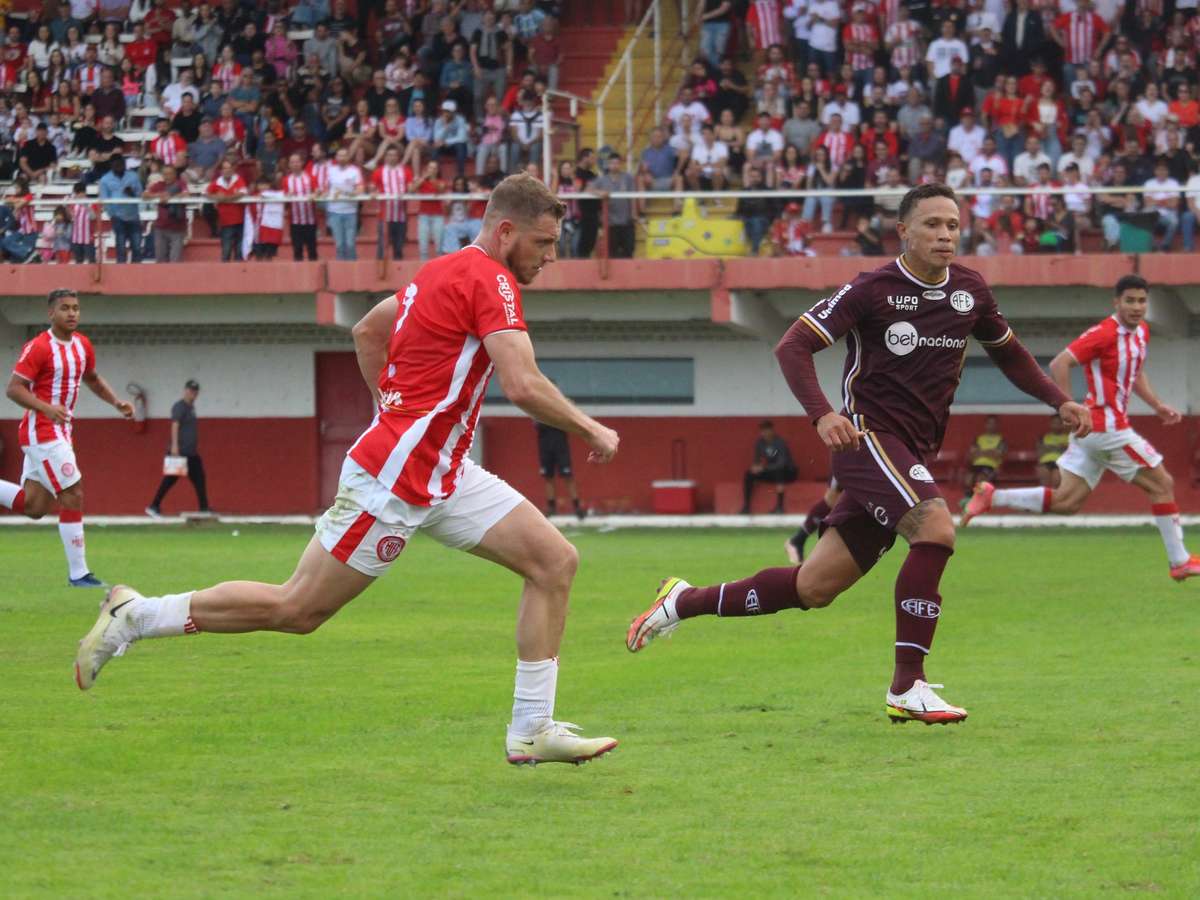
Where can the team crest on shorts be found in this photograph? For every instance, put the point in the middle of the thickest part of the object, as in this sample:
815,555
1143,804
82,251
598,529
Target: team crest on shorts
962,302
389,547
68,469
919,473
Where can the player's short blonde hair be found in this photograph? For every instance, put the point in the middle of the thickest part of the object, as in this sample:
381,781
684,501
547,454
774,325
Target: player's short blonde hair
522,198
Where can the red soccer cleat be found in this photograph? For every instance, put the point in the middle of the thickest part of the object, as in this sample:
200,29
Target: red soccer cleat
1189,569
980,502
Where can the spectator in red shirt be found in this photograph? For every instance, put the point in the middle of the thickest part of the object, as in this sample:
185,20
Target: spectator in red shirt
141,50
431,214
159,23
545,52
226,188
1005,116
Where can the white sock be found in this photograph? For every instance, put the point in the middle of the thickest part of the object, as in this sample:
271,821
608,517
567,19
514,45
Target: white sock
1166,517
163,616
1033,499
72,541
533,698
8,493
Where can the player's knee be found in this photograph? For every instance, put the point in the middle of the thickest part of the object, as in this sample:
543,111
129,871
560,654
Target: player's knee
297,613
1165,483
71,498
815,593
556,567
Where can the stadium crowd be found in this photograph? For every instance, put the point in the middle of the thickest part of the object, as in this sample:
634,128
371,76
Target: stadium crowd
335,100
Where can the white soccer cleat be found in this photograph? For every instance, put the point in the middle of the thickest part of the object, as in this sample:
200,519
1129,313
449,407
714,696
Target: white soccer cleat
919,703
109,637
557,742
660,619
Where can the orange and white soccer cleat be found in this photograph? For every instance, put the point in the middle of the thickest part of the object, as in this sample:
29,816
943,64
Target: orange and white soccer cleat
659,620
980,502
920,704
1186,570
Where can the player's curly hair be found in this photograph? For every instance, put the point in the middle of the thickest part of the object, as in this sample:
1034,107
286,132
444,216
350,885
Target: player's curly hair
924,192
522,198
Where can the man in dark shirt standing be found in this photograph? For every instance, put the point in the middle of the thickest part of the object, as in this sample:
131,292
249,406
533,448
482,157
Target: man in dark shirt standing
554,458
906,327
184,442
772,463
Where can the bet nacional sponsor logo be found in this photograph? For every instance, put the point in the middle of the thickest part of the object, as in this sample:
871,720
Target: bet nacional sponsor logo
902,338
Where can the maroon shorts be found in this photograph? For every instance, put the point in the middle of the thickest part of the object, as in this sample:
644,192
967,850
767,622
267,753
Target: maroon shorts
882,480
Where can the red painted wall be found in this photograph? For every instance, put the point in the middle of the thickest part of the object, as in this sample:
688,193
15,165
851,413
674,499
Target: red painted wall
718,450
253,465
270,466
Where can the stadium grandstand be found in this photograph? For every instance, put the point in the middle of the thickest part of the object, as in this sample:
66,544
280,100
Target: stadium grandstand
726,164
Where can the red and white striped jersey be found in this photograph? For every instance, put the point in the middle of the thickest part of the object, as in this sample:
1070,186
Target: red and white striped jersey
905,38
1083,33
53,370
227,74
82,223
25,220
167,148
89,77
431,390
765,19
1112,357
839,145
391,180
1040,202
320,174
302,185
889,12
860,33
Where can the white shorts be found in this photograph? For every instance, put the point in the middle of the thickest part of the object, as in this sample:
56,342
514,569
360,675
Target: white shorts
368,525
1121,452
52,465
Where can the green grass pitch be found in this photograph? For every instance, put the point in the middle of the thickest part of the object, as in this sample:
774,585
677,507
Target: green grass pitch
755,757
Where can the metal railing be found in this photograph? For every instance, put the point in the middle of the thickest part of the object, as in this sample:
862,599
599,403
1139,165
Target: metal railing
669,57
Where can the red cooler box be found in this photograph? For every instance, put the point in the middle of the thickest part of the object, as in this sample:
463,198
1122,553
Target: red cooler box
674,497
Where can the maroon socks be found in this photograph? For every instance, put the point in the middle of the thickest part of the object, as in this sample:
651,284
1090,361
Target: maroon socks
767,592
813,520
918,605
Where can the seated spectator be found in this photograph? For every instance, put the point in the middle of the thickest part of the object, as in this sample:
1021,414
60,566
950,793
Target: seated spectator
791,170
418,132
1079,157
801,129
172,95
887,201
990,159
764,148
755,212
546,52
38,157
280,52
868,237
492,136
169,144
1112,209
688,105
308,13
1051,446
1062,234
1162,197
926,146
789,234
1191,209
712,156
986,454
525,131
324,47
659,164
772,463
352,59
733,91
451,135
457,80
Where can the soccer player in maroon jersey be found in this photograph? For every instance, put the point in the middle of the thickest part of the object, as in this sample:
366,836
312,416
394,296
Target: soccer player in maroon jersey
46,381
1113,356
426,354
906,327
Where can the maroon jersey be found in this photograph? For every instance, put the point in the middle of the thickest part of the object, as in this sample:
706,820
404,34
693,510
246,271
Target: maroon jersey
906,342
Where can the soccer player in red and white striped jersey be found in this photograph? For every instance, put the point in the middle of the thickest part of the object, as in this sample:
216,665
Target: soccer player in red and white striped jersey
1113,356
46,381
427,354
299,183
391,178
